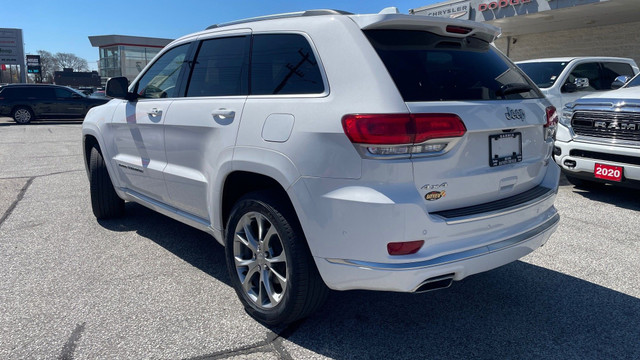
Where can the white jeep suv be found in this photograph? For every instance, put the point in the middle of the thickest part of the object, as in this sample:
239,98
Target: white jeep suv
331,150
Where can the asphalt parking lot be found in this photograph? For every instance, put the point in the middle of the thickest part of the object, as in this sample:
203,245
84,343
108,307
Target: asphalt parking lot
148,287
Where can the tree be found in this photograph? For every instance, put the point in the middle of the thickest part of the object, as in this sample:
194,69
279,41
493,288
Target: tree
50,63
46,66
71,61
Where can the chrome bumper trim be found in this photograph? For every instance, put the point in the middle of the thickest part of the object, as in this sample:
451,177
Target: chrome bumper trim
451,258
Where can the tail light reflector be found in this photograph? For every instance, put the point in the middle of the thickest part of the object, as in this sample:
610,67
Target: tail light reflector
405,247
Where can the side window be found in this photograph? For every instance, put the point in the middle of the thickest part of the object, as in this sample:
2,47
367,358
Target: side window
41,93
161,79
611,70
284,64
221,68
587,77
62,93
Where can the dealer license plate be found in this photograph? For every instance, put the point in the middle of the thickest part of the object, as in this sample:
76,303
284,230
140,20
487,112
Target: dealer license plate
505,148
608,172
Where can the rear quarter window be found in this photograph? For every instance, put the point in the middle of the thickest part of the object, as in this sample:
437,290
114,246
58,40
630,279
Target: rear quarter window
284,64
430,67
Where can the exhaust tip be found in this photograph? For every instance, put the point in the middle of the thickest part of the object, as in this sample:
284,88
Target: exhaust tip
435,283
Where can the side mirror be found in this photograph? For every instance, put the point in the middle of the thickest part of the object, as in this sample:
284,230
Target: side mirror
76,96
117,87
620,81
569,88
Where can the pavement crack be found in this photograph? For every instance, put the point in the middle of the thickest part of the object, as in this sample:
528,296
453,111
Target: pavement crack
70,347
273,343
43,175
17,200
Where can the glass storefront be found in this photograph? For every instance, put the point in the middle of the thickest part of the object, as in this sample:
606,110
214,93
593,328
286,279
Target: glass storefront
125,60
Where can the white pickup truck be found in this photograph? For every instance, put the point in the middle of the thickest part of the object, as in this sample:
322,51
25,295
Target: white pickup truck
598,139
563,80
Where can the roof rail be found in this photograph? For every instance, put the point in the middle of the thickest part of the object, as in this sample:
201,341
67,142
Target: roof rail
283,16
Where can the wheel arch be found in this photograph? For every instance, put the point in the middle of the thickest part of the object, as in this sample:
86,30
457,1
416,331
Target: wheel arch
88,142
239,183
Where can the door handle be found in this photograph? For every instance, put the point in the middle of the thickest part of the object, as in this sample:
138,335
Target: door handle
155,112
224,113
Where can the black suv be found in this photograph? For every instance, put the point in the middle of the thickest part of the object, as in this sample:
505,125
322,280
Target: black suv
26,102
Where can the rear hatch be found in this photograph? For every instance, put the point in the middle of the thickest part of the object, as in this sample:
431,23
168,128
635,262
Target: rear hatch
449,71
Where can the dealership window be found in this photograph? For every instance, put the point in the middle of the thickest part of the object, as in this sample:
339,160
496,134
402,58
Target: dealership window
135,58
110,62
221,68
284,64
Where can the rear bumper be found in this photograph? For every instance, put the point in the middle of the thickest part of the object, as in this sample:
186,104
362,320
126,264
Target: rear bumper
344,274
349,224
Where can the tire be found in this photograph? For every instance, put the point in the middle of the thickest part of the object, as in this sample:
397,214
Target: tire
22,115
104,200
269,262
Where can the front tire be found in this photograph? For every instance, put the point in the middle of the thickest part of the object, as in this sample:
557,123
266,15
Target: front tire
270,265
105,203
22,115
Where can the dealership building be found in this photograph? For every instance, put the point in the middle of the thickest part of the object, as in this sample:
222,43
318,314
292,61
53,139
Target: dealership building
551,28
123,55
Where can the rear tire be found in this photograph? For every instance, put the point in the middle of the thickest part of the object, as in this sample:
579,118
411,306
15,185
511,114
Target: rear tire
22,115
104,200
269,262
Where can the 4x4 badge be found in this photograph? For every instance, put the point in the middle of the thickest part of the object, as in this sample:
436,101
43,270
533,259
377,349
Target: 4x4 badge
513,114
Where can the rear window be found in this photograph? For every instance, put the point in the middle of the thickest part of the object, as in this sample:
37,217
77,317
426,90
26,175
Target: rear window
544,74
430,67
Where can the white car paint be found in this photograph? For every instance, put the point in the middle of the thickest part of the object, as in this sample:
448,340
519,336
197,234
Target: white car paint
350,204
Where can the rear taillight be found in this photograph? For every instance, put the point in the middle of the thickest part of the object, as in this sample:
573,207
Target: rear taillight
552,123
403,134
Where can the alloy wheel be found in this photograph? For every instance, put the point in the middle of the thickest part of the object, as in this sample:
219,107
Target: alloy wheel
22,116
260,260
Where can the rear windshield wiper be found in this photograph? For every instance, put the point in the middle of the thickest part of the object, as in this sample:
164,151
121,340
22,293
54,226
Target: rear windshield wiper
513,88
